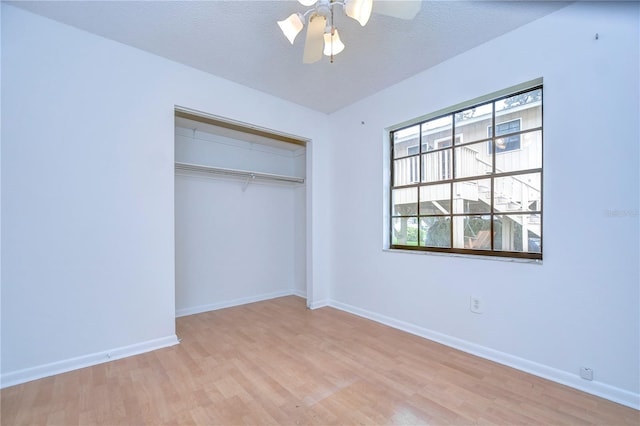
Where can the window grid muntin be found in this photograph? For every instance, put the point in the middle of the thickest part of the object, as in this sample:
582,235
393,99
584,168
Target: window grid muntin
493,213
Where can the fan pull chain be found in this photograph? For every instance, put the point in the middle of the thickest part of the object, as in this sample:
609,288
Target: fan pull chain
332,34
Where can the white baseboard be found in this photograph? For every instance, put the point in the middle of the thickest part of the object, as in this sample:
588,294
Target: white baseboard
602,390
33,373
231,303
319,304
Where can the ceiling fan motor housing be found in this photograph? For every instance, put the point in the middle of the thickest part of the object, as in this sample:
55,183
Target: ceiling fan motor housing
323,8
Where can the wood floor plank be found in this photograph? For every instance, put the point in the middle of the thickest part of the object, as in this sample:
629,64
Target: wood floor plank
276,362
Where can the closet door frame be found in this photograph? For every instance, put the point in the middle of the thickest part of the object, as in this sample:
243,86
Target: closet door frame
250,129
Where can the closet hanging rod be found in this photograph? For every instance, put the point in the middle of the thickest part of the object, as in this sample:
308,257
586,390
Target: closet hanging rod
237,173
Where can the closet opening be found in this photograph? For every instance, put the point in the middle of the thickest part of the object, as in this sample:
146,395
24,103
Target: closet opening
241,221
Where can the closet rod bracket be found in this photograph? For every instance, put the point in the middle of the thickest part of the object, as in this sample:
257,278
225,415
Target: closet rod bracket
246,182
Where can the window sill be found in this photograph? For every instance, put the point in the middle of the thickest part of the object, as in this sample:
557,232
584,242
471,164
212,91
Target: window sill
466,256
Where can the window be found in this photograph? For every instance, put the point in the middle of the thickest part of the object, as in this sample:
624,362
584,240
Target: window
481,194
509,142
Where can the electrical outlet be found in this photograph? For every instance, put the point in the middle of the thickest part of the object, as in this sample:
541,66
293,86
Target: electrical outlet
586,373
475,305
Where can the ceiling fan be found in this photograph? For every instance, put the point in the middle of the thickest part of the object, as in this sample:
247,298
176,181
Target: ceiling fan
322,35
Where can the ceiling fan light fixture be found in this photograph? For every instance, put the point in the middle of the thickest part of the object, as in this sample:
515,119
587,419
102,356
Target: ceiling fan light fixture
360,10
307,3
332,43
291,26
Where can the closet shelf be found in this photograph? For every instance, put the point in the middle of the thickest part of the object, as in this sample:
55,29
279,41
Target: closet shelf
237,173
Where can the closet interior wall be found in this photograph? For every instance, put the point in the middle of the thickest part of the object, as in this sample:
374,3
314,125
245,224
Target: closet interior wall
240,237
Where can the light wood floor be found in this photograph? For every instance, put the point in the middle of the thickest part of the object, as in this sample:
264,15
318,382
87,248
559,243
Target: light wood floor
276,362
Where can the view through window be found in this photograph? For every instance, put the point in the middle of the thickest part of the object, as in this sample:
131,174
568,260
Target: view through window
470,180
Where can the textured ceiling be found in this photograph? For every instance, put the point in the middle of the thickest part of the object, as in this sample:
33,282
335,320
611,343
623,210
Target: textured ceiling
240,41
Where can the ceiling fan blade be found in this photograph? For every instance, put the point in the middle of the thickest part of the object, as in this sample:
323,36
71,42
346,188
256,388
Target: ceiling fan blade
403,9
314,42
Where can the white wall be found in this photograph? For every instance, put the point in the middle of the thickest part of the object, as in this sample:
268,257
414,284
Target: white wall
581,306
232,246
300,226
0,182
88,191
237,241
